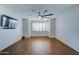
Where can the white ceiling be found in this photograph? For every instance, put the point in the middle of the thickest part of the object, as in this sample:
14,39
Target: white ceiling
26,9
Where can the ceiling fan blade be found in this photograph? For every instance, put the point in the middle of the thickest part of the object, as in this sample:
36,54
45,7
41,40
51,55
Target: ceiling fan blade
39,13
45,11
33,10
47,15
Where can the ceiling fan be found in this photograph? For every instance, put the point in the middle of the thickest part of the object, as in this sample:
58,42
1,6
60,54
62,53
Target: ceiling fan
43,14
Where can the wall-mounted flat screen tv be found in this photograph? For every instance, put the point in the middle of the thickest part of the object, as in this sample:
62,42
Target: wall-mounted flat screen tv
8,22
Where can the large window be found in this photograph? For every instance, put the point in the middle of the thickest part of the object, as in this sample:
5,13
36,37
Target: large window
40,26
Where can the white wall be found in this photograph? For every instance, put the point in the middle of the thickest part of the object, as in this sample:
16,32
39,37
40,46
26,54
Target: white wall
9,36
67,27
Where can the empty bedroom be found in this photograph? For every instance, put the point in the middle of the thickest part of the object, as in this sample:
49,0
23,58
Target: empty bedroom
39,29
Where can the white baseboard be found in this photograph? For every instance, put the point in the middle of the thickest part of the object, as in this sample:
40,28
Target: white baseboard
27,36
10,43
51,36
65,42
41,35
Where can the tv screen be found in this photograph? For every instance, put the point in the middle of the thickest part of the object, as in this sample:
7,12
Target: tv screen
12,23
8,22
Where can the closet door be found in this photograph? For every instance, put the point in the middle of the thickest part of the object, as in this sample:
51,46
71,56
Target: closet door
52,28
25,27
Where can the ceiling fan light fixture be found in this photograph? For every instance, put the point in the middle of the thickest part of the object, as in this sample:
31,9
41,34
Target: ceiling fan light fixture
45,11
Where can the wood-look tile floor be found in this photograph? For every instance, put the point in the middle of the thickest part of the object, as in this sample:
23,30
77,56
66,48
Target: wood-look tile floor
39,46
